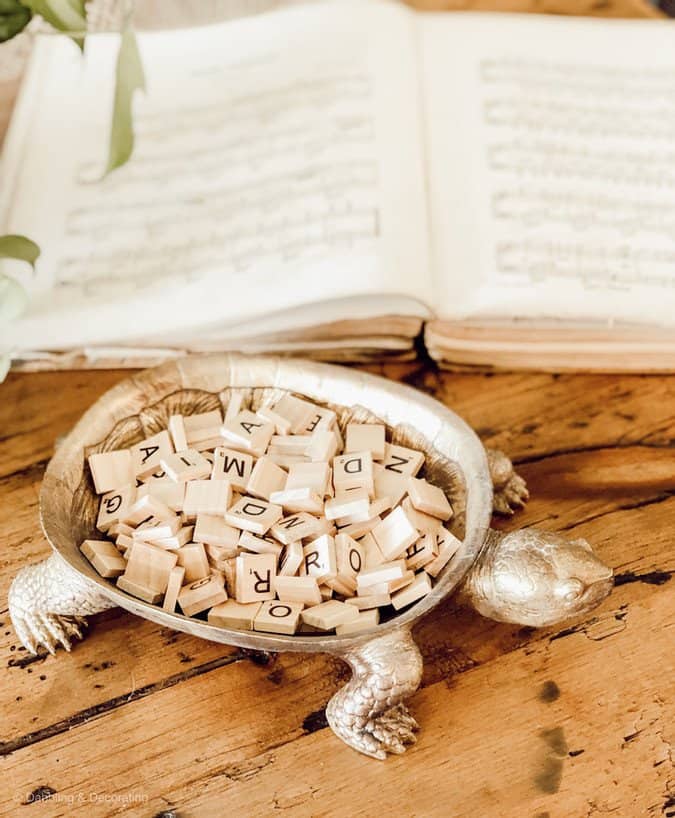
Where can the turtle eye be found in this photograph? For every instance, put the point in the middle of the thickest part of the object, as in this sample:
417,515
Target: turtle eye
570,590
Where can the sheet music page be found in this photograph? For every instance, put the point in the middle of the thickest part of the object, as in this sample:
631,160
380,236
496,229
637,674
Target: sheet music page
552,167
278,163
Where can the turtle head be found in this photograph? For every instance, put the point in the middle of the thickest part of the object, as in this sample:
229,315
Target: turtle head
536,578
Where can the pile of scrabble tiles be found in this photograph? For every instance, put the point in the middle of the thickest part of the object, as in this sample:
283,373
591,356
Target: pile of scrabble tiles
271,520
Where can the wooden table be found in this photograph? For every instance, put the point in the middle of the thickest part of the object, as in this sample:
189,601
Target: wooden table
570,722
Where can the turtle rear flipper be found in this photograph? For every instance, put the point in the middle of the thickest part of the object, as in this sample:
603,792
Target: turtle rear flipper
368,713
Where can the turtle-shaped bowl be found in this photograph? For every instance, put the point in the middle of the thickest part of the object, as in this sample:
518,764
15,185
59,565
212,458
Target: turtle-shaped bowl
48,601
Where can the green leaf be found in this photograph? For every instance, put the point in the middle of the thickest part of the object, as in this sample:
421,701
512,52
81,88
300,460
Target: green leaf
13,299
64,15
14,17
129,78
19,247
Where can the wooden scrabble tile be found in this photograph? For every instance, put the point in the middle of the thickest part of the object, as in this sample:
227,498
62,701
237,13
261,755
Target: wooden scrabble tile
362,437
448,546
350,557
323,446
232,614
155,477
380,505
259,545
282,425
285,461
114,506
176,577
123,543
353,471
145,509
326,592
206,497
211,529
265,478
322,421
157,528
428,498
299,499
178,540
247,432
388,484
105,558
372,555
418,588
289,444
367,620
233,466
147,455
299,413
149,567
296,527
358,530
230,573
304,590
319,558
329,615
424,523
348,504
252,514
170,493
139,590
193,558
120,528
219,555
111,470
195,424
278,617
324,526
395,534
364,603
401,460
255,575
202,438
177,432
186,465
422,552
207,444
234,405
379,589
315,476
386,572
346,587
402,582
202,594
291,559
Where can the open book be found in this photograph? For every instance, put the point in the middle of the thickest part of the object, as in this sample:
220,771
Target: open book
326,179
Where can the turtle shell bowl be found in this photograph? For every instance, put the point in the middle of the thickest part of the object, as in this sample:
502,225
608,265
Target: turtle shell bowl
48,602
141,405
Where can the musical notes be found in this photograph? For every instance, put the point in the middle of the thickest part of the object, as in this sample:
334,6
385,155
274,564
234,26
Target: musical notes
261,175
579,160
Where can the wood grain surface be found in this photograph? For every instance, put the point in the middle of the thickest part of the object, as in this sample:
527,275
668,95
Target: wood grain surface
572,721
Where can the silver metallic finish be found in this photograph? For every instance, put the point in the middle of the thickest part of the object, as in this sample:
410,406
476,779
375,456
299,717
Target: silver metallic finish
536,578
528,577
48,603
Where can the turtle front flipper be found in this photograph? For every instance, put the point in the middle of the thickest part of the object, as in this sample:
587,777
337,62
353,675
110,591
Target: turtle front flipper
48,603
368,713
536,578
509,489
